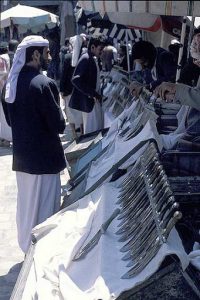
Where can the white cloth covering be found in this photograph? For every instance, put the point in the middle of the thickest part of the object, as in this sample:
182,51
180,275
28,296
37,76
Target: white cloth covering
77,42
109,117
94,120
55,276
38,198
18,63
194,256
7,59
5,130
74,116
118,149
4,69
116,124
170,140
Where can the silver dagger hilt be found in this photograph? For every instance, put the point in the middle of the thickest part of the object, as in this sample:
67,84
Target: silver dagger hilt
105,225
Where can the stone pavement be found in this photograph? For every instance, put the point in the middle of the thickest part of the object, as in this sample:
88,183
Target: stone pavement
11,257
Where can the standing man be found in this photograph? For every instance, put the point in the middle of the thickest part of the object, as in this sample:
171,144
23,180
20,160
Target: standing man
66,89
36,121
86,81
5,130
12,47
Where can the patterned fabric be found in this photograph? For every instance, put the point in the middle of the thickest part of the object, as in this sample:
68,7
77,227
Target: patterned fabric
195,47
115,32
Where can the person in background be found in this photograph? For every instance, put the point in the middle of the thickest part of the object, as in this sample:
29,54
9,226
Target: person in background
33,112
5,130
85,40
179,93
191,71
4,64
122,62
54,46
185,95
108,57
174,49
158,61
12,47
79,44
86,95
67,48
74,117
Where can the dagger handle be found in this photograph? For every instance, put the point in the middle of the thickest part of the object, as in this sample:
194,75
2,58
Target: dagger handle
105,225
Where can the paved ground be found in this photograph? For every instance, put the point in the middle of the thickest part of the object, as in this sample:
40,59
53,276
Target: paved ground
11,257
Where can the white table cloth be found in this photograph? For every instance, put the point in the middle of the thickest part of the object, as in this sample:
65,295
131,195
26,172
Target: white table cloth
55,276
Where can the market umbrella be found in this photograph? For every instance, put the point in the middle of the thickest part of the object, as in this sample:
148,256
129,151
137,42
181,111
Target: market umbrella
27,17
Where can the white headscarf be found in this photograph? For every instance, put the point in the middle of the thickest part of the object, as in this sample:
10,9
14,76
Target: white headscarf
76,42
18,63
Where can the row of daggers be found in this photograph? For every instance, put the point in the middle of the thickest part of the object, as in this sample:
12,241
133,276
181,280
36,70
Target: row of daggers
148,212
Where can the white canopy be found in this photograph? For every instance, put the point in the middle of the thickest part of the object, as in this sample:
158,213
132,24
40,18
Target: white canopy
27,17
169,8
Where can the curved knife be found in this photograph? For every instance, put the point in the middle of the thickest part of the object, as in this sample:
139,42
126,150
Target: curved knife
83,251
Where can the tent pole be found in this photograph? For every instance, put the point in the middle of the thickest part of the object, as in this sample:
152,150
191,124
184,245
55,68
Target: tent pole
183,31
127,51
190,36
162,39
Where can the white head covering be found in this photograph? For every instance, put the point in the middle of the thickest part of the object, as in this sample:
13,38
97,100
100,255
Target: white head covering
195,47
18,63
76,42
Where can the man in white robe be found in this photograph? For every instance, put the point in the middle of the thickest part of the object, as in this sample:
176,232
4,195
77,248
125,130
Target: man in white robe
33,112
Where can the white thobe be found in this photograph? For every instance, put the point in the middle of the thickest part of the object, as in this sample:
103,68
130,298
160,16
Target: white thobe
38,198
93,120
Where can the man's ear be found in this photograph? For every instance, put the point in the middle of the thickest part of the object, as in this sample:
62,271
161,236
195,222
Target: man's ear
36,54
92,47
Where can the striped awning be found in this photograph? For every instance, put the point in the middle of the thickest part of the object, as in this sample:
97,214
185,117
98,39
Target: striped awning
96,25
115,32
169,8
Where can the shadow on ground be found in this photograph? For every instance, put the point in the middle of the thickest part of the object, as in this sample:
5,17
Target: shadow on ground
7,282
5,151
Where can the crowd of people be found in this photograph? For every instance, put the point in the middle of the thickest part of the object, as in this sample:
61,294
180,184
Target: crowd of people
31,98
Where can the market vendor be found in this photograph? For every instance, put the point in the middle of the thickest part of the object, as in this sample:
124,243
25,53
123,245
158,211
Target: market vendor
179,93
158,63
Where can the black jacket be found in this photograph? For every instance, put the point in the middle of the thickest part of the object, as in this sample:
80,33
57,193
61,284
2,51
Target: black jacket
66,75
36,121
165,67
84,81
190,73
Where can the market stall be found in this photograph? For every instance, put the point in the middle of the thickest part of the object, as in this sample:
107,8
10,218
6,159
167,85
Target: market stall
117,226
133,144
27,18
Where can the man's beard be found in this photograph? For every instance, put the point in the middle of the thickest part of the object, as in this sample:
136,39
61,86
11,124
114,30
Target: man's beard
43,64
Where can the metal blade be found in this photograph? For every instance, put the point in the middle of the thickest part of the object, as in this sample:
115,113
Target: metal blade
83,251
